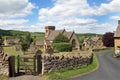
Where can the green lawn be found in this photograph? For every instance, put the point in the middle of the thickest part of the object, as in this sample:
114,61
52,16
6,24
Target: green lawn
11,51
68,72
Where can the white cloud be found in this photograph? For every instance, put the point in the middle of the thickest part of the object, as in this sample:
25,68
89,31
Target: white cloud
77,21
76,15
115,17
12,22
65,9
15,8
106,8
11,12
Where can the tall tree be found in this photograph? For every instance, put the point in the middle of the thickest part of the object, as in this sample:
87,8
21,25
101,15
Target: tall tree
26,42
108,39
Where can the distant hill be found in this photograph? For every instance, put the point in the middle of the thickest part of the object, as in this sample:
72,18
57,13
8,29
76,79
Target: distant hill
12,32
16,33
39,35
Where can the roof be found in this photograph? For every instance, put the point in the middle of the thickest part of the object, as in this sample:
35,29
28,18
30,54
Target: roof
117,32
47,42
68,34
53,34
38,43
16,40
95,38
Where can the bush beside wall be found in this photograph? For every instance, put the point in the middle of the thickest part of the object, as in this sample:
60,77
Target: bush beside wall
62,47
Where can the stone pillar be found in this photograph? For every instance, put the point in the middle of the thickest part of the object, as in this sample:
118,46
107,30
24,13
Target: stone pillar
39,64
12,66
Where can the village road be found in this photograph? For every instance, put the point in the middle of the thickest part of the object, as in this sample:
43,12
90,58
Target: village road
109,69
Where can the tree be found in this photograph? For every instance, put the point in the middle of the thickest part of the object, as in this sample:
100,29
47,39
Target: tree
26,42
60,38
61,47
108,39
61,43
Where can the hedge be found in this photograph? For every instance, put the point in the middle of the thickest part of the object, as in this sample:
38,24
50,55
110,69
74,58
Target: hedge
62,47
61,39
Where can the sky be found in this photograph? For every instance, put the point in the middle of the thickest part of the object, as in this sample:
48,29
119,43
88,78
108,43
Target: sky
81,16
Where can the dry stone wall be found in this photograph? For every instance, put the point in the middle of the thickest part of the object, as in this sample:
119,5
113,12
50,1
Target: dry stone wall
3,62
57,62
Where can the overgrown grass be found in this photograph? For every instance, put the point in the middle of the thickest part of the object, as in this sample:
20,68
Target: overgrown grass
2,77
69,72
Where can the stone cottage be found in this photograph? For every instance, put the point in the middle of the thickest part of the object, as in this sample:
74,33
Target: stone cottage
8,42
93,42
117,39
39,44
51,33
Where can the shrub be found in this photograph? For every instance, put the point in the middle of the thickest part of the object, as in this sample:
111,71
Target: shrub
108,39
60,38
61,47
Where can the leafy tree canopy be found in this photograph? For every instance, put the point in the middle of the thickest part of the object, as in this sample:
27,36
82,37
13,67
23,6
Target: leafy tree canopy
60,38
108,39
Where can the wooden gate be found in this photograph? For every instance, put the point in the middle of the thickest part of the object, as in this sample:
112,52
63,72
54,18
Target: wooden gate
27,65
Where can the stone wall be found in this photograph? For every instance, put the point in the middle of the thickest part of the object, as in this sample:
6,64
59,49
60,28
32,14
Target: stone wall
117,45
57,62
3,62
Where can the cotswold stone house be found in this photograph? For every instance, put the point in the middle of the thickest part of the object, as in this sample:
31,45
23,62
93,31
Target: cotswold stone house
94,43
51,33
117,39
8,42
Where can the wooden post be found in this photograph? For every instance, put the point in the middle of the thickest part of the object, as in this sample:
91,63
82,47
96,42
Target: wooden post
39,64
34,65
12,66
18,68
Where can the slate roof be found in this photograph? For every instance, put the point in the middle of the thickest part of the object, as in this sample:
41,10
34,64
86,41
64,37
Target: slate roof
117,32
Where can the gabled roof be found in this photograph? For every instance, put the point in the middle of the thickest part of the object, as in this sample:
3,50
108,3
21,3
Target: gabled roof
68,34
53,34
95,38
16,40
117,32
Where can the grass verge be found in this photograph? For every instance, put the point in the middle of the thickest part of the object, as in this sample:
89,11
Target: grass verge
2,77
77,71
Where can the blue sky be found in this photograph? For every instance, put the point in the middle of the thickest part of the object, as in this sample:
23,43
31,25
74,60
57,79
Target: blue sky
82,16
